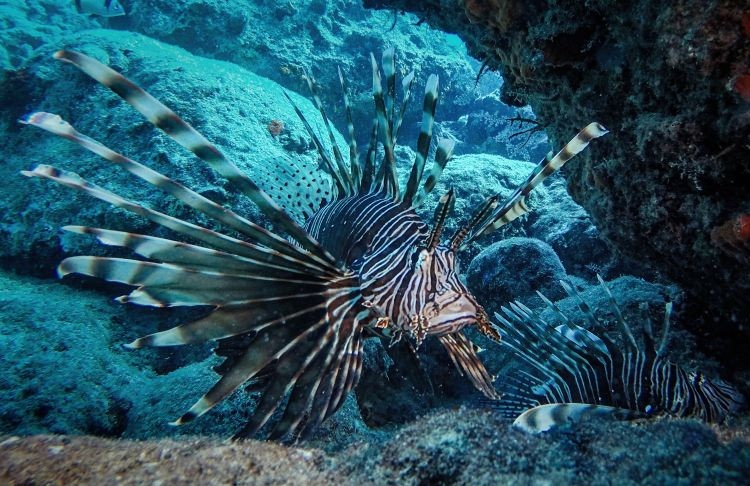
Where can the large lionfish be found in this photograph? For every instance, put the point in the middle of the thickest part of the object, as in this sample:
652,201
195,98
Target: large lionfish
293,312
568,373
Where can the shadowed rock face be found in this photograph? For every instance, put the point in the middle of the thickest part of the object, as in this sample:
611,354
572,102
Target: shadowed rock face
670,185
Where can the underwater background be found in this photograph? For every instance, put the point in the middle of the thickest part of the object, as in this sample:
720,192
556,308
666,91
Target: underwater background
659,208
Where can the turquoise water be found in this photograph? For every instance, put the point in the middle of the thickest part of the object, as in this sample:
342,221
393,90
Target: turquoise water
414,416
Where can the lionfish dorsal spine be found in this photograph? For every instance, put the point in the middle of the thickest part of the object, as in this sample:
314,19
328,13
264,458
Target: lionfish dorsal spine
388,61
425,138
662,349
406,85
515,205
386,179
443,154
349,187
340,181
479,216
184,134
354,163
368,163
628,333
443,209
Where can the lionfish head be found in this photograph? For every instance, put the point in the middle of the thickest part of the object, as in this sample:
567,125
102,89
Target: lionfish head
448,305
717,397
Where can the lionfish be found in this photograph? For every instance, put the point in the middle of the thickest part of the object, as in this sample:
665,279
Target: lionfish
291,312
568,373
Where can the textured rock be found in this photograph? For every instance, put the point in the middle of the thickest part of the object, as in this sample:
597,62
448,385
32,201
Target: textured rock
514,269
470,447
452,447
669,185
91,460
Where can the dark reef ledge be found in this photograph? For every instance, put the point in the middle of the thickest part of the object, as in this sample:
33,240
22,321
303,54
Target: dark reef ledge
452,447
671,80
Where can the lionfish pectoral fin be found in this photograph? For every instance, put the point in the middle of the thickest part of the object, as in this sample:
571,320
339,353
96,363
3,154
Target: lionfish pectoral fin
316,368
546,417
464,356
183,133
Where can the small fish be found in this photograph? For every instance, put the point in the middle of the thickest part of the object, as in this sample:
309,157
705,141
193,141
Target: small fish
570,374
103,8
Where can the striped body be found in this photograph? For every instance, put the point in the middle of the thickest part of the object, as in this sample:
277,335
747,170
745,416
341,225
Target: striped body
292,309
574,369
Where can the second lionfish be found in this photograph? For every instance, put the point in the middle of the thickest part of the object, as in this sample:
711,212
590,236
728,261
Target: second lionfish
292,312
567,373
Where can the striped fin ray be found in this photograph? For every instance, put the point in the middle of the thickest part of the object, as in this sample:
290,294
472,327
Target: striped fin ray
212,238
164,284
548,382
464,357
319,390
388,60
665,330
620,319
386,178
567,363
568,356
56,125
237,319
515,205
443,154
545,417
194,256
356,170
303,372
425,138
406,85
585,309
331,169
341,168
267,345
368,166
482,213
444,208
180,131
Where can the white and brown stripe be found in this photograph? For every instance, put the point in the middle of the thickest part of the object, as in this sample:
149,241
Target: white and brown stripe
572,367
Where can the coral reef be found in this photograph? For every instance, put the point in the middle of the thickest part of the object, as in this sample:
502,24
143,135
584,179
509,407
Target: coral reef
669,80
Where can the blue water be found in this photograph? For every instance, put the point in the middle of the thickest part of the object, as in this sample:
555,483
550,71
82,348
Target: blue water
225,67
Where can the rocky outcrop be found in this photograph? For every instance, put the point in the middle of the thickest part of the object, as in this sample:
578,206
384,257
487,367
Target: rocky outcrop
669,186
453,447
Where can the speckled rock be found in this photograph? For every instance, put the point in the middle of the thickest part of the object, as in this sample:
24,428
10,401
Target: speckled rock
471,447
459,446
91,460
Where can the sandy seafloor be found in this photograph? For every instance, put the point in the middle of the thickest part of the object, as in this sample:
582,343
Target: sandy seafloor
77,407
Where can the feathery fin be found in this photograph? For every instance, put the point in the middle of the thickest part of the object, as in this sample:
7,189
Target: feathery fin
184,134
